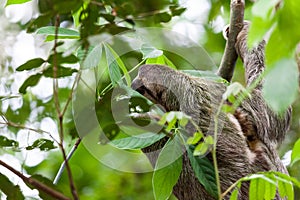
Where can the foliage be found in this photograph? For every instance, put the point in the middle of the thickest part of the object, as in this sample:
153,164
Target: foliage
92,19
264,186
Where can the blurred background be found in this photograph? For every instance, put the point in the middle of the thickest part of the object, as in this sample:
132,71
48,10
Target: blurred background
202,22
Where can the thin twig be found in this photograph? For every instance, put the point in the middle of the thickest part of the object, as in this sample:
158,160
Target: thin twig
58,110
63,165
12,124
78,76
35,183
236,24
229,189
214,151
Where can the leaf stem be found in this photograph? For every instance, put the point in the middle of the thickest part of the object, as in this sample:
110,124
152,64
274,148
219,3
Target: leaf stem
214,151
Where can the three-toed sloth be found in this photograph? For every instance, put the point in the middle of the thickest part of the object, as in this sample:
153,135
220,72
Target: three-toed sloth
247,139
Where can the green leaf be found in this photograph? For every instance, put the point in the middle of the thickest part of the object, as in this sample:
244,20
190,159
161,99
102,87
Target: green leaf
93,58
195,139
204,171
279,46
161,60
233,90
280,88
158,60
253,190
149,51
110,131
270,190
167,170
137,141
67,6
286,178
63,33
11,2
42,20
203,147
60,59
5,142
169,62
114,65
286,189
61,72
108,17
283,40
162,17
176,10
42,144
234,194
263,18
31,64
29,82
296,152
13,192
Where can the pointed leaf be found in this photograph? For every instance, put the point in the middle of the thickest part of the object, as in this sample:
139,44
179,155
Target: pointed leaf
233,90
31,64
263,19
195,139
60,59
10,2
234,194
162,17
285,189
50,30
138,141
169,62
93,58
31,81
204,171
42,144
157,60
253,190
5,142
281,85
176,10
149,51
61,72
114,65
270,190
296,152
167,170
12,191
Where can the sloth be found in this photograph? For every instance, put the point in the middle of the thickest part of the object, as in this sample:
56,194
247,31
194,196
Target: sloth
247,139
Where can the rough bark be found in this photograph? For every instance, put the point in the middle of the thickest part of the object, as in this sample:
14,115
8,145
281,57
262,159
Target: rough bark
247,140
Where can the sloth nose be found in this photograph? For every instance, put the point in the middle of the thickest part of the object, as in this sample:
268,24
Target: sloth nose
136,83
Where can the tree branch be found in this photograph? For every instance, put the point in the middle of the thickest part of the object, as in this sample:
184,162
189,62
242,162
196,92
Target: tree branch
236,24
58,110
15,125
35,183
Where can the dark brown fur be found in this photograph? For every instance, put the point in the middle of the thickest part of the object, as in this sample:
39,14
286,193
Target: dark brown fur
247,140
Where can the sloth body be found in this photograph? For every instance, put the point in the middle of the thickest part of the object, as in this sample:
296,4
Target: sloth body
247,140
